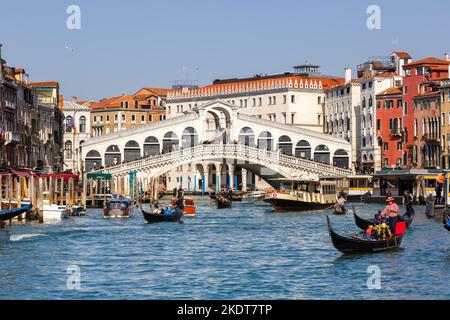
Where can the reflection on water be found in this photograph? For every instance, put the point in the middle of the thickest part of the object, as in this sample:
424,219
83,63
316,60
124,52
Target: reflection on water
246,252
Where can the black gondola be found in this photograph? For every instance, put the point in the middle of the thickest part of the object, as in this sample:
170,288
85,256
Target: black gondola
155,217
223,203
348,245
339,210
237,198
9,214
213,195
446,220
363,224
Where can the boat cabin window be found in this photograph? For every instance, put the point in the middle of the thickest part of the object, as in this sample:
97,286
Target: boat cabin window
328,189
342,183
360,183
287,185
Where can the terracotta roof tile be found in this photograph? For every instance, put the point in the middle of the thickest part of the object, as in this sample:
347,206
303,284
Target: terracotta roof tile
430,60
402,54
53,84
391,91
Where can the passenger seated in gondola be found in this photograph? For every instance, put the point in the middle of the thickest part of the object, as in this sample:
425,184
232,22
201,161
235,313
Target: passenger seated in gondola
157,210
385,231
368,233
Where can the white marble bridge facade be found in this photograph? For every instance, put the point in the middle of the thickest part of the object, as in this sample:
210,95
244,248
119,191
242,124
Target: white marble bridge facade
212,146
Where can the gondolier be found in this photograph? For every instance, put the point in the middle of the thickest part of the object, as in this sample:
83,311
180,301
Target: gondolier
180,198
391,213
408,202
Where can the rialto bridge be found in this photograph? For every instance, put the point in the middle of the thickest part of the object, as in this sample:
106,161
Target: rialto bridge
212,145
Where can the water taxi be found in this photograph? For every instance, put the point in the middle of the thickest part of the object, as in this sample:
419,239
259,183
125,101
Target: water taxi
117,208
189,207
303,195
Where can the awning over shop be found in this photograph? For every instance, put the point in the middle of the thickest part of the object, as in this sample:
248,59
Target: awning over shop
98,176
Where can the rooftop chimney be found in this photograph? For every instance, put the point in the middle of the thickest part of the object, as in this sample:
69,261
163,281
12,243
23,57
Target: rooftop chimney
446,57
348,75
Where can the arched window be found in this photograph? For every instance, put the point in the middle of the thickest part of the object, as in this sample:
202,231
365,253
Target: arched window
170,142
265,140
341,159
247,137
69,124
151,146
113,156
132,151
285,145
322,154
92,161
82,124
303,150
68,150
189,138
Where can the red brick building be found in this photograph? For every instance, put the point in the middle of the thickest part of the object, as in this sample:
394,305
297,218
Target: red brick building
389,127
421,111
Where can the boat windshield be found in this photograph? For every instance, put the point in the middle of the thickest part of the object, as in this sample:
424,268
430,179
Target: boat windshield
117,205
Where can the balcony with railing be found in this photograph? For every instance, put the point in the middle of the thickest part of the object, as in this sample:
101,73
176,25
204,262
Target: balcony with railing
396,133
45,100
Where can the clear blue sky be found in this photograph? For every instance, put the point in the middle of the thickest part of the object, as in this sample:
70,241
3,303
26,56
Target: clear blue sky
125,45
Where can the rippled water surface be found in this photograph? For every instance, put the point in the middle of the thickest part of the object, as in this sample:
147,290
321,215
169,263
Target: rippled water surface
246,252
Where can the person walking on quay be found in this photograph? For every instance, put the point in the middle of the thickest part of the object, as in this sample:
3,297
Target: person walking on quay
440,181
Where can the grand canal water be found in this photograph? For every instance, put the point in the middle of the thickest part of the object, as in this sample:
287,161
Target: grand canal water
246,252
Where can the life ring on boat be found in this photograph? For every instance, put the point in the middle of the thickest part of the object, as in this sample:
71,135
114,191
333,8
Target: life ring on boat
274,195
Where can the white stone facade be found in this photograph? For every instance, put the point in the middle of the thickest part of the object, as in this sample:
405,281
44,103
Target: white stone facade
342,115
77,132
291,99
194,128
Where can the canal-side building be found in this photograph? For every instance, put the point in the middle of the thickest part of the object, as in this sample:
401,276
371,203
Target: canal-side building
127,111
8,105
342,117
422,115
350,110
389,127
25,155
371,86
445,122
51,121
295,98
77,125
